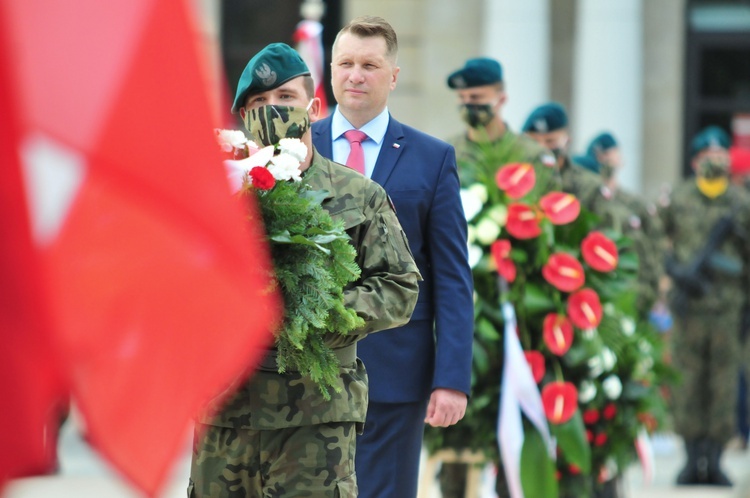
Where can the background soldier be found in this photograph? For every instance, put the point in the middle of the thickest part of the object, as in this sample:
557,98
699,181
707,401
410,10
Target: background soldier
706,222
277,435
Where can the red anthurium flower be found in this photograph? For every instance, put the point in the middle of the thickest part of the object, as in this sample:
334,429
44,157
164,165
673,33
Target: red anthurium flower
585,309
516,179
560,208
505,266
609,411
599,252
591,416
522,221
558,333
600,439
574,469
261,178
560,400
535,359
564,272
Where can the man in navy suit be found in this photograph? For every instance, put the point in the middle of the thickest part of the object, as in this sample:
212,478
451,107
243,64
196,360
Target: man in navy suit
419,373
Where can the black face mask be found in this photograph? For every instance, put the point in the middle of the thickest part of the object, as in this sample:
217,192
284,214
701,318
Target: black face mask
477,115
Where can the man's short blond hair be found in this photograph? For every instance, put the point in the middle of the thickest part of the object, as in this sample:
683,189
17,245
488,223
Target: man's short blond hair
371,26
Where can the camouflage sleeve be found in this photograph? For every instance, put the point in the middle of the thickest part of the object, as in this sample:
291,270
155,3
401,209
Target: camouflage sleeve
387,291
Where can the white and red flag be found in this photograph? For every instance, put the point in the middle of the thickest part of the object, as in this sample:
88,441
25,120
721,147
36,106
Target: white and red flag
309,39
136,268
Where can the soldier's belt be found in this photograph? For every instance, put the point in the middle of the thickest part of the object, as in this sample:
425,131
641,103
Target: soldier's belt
346,356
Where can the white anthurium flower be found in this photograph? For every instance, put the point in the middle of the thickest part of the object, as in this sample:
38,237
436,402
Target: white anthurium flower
487,231
285,167
294,147
612,387
471,203
609,359
586,391
231,139
475,255
471,234
627,325
596,366
498,214
479,191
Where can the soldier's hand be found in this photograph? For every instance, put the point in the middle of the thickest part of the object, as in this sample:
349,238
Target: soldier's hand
446,407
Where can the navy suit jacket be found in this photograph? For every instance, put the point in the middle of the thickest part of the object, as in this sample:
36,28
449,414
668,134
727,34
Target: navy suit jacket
434,349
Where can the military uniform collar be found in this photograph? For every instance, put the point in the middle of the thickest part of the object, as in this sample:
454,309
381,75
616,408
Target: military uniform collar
319,174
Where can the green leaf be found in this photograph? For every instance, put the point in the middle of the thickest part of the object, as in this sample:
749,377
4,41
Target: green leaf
571,438
628,261
537,468
536,300
286,238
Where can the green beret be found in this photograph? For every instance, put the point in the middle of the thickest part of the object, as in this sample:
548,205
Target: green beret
600,143
710,137
546,118
476,72
587,162
270,68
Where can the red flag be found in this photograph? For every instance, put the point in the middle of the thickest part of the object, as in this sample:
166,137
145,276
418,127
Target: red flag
309,39
159,288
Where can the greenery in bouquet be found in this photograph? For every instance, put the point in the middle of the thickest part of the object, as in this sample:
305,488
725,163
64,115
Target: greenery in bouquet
312,258
598,367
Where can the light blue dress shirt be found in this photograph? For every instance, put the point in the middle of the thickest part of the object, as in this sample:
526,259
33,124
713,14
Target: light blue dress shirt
375,131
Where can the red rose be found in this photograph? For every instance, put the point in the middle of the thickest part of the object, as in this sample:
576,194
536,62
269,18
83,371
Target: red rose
558,333
574,469
599,252
591,416
560,208
609,411
522,221
600,439
505,266
560,400
261,178
535,359
564,272
516,179
585,309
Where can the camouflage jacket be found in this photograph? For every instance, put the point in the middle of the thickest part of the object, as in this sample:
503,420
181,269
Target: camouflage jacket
384,296
688,220
582,183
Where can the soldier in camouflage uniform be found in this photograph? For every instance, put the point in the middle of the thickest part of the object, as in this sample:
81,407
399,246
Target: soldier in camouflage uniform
709,273
276,435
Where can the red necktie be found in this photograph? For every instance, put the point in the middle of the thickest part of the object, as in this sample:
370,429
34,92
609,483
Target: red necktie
356,159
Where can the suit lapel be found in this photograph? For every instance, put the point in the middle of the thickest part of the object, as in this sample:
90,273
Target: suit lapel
322,137
393,144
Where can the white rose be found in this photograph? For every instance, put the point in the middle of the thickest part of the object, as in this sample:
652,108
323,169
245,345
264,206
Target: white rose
608,359
294,147
475,255
499,214
627,325
612,387
487,231
479,191
586,391
596,366
285,167
471,204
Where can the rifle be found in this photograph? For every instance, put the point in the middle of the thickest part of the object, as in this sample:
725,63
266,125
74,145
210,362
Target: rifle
692,279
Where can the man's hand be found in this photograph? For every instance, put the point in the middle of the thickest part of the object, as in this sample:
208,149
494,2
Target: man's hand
446,407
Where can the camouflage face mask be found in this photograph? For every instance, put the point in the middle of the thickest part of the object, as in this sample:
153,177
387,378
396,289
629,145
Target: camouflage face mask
477,115
270,123
712,168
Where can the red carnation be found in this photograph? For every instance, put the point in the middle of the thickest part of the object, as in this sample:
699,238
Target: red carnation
505,266
599,252
261,178
522,221
609,411
591,416
560,400
516,179
560,208
574,469
558,333
585,309
600,439
535,359
564,272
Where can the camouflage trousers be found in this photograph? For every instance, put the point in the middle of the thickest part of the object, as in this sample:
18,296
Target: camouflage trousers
706,352
308,461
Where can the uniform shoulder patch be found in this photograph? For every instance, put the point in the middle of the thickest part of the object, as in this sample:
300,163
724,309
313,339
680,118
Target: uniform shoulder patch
547,159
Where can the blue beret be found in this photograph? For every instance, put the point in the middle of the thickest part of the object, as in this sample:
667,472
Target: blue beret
546,118
712,136
270,68
587,162
476,72
600,143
